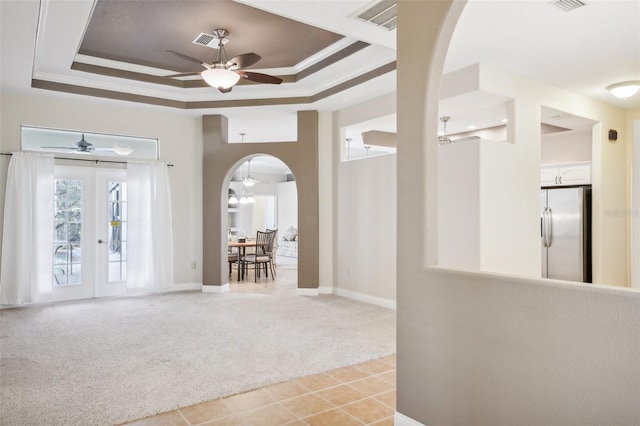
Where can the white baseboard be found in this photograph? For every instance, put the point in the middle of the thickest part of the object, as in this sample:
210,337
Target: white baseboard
361,297
325,290
182,287
402,420
215,288
307,292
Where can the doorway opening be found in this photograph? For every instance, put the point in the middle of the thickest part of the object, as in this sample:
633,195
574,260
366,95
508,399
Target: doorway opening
262,197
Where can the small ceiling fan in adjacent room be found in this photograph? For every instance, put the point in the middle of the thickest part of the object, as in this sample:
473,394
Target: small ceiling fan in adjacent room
225,73
84,146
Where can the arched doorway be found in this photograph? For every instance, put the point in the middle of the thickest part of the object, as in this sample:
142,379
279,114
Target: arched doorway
262,196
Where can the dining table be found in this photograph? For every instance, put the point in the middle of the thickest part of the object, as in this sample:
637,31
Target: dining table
242,247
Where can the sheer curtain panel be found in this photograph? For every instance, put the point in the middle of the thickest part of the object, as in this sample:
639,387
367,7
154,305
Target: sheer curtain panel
27,240
150,234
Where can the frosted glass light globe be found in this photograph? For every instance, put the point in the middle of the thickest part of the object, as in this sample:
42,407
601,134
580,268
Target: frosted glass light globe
220,78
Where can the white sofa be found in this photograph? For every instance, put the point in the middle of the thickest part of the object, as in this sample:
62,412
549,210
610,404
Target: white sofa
288,244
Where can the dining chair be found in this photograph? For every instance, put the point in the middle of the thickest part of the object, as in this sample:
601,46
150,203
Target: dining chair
260,259
232,258
274,247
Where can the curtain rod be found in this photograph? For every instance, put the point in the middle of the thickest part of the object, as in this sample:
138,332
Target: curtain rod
84,159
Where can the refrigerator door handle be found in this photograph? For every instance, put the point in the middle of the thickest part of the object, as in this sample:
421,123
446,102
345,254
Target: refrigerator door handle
546,215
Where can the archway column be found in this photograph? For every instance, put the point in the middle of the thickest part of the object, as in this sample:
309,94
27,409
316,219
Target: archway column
220,159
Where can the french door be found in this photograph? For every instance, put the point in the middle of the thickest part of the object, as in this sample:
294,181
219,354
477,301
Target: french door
90,233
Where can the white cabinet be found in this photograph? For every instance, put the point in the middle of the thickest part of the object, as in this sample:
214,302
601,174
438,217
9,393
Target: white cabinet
566,174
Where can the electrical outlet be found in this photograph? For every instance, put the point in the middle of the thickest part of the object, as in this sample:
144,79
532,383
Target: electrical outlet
193,265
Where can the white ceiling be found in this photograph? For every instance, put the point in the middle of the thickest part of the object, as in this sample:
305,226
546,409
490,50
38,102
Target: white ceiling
582,51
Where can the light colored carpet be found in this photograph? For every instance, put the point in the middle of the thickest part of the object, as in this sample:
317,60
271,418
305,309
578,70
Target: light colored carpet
104,362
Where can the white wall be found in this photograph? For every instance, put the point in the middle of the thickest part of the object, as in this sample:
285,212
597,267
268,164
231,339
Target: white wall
287,206
459,206
565,147
180,138
366,238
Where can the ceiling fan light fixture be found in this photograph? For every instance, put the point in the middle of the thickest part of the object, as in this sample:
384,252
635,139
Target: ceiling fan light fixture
625,89
248,182
220,78
444,139
122,150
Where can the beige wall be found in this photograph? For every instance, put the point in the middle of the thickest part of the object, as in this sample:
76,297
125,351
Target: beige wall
180,144
220,160
366,241
561,147
482,349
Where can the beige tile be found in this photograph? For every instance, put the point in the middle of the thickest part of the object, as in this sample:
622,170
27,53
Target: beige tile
205,411
389,376
384,422
296,423
391,359
306,405
369,410
286,390
335,417
375,366
232,420
170,418
388,398
372,386
270,415
341,395
248,400
318,381
347,374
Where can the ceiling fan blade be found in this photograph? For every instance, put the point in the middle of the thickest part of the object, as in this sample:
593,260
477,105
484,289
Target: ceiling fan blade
259,78
243,61
225,90
184,74
188,58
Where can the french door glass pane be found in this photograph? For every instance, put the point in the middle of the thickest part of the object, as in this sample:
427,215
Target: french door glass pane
67,234
117,225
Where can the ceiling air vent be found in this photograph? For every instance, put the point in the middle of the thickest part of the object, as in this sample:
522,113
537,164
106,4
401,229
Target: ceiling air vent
567,5
208,40
382,14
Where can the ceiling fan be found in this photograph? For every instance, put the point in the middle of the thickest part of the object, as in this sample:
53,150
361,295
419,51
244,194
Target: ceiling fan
85,146
249,180
224,73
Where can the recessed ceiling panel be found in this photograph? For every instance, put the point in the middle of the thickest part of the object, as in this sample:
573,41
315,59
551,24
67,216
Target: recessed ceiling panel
140,32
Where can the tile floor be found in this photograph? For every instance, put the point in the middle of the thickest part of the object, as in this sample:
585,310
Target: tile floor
362,394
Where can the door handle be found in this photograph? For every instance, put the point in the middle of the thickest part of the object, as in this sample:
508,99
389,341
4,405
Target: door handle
101,241
547,226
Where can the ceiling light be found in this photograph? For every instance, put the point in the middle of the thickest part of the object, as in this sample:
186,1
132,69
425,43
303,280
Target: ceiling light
625,89
444,139
220,78
248,181
504,120
472,127
122,150
233,200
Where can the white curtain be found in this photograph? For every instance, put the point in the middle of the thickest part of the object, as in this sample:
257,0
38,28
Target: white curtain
150,232
27,240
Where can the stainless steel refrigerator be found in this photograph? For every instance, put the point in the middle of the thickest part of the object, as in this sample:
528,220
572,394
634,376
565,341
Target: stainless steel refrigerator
565,228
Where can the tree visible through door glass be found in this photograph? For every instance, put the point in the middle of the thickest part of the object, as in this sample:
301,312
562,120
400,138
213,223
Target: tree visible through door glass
67,239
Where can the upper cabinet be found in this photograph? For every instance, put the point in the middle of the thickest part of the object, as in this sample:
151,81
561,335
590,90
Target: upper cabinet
565,174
